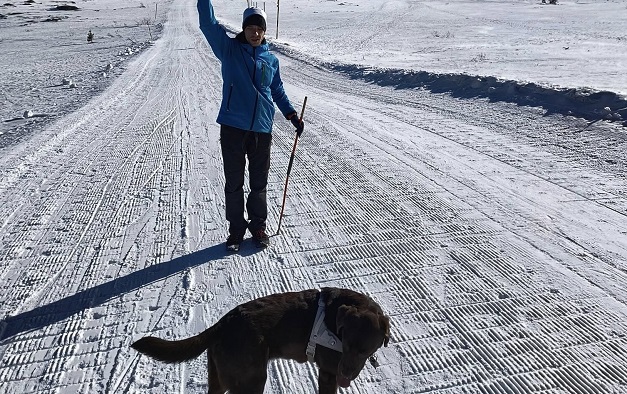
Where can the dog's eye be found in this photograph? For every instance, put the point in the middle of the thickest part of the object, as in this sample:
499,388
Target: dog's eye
359,350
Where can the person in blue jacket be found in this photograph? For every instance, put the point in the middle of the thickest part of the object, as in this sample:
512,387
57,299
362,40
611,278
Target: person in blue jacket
251,87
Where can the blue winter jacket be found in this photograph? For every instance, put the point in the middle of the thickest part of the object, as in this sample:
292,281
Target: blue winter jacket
251,79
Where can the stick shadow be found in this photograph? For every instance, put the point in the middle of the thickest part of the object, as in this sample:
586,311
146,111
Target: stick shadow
57,311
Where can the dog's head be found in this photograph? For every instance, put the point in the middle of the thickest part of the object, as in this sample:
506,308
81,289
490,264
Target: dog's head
362,332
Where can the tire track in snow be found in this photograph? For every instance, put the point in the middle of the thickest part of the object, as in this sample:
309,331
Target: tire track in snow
85,279
403,195
411,235
96,202
138,195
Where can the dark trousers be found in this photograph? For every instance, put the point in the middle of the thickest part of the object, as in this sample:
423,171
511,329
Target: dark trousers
236,146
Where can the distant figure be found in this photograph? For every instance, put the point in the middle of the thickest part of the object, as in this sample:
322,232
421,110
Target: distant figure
90,37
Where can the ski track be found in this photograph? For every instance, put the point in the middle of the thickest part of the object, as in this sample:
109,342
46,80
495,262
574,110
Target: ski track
451,213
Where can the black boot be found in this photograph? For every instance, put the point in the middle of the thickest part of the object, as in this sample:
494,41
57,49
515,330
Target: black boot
233,242
261,238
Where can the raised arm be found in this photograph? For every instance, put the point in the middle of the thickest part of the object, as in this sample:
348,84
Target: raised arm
215,34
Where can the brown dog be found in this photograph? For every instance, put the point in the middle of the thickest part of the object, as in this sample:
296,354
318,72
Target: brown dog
240,344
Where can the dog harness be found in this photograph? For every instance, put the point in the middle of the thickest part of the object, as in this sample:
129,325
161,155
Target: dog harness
320,334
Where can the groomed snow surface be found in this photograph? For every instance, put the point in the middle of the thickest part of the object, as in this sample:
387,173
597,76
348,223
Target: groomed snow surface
463,162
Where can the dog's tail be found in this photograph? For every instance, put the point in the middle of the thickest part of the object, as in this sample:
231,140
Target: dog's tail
173,351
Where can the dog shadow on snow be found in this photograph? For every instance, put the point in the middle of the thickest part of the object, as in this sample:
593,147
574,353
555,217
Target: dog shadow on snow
57,311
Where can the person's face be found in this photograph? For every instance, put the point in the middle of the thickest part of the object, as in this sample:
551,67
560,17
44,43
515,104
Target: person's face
254,35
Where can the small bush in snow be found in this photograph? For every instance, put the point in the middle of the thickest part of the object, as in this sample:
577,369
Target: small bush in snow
66,7
145,21
438,34
479,58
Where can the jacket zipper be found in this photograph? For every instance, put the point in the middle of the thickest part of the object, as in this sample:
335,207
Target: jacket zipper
228,103
254,65
252,121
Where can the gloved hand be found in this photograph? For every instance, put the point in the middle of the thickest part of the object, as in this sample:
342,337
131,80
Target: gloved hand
298,123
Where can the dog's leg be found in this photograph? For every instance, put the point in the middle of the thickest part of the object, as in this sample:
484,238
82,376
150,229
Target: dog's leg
248,390
215,387
327,383
242,369
249,382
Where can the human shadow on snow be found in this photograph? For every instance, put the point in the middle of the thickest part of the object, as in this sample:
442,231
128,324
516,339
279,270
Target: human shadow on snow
62,309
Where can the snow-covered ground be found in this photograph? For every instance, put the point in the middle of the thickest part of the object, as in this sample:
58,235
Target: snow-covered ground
47,67
458,165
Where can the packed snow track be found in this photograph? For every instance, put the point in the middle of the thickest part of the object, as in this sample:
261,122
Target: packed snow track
494,237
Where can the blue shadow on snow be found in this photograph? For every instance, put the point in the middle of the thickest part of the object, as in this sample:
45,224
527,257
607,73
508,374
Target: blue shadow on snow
62,309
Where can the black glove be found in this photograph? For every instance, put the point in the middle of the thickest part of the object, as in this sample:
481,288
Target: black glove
298,123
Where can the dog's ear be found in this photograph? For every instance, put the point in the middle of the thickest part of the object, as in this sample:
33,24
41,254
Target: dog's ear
384,322
342,311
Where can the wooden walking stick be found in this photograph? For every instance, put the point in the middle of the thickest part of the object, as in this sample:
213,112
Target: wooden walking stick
289,168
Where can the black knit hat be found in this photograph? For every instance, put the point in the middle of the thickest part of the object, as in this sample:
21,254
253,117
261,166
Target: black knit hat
254,16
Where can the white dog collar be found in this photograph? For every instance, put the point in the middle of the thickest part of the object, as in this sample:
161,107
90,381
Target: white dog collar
321,335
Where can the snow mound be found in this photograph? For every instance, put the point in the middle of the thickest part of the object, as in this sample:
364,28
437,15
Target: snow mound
578,102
